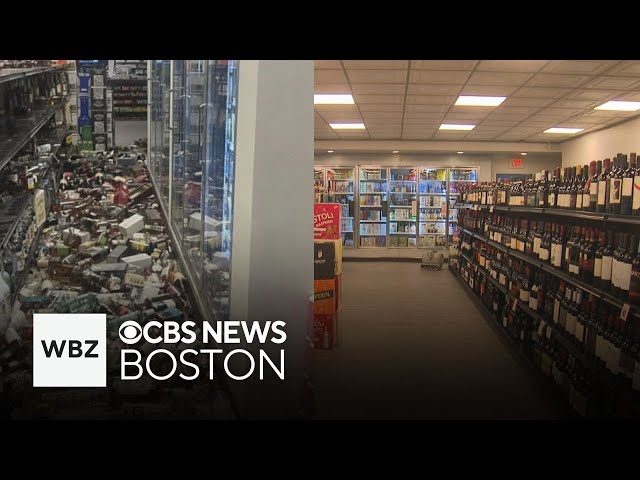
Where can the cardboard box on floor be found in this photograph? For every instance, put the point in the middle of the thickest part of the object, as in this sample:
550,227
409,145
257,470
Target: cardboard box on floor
325,249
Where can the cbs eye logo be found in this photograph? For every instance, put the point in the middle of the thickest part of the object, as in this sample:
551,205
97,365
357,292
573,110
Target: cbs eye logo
130,332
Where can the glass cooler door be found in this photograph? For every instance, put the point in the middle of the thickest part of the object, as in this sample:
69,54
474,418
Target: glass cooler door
458,177
340,186
432,208
403,208
219,176
372,207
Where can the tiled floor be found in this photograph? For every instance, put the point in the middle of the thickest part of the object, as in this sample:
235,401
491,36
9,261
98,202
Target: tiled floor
414,345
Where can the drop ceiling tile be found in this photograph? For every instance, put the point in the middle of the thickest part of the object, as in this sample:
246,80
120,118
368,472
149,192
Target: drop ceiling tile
524,132
332,88
327,65
464,117
385,131
337,117
538,92
419,134
560,112
430,99
329,76
378,88
490,129
379,99
425,108
522,66
517,110
533,103
385,115
421,122
443,64
541,124
512,117
380,107
483,111
499,78
583,94
627,68
507,137
424,115
324,134
335,108
553,80
376,64
609,113
620,83
450,135
384,135
383,122
421,89
479,136
353,134
630,97
549,137
377,76
491,90
497,123
579,67
438,77
574,104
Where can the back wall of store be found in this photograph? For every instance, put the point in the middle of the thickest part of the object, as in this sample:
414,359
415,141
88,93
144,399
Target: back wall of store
490,164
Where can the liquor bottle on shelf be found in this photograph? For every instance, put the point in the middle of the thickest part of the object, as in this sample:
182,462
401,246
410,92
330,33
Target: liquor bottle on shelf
554,184
634,284
617,267
570,254
607,262
635,202
625,265
603,187
626,202
615,185
557,246
595,170
572,188
587,272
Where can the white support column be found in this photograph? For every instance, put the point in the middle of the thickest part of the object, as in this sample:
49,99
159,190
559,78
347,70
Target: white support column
271,264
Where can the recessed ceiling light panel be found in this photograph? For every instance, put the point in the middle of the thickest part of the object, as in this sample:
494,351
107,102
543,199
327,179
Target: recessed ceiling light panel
619,106
479,101
563,130
454,126
333,99
347,126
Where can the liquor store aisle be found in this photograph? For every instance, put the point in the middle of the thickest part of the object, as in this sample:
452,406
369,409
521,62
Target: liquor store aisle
415,346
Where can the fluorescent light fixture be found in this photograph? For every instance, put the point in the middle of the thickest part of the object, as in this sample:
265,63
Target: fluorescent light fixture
347,126
333,99
477,101
329,151
460,153
563,130
619,106
395,151
453,126
523,153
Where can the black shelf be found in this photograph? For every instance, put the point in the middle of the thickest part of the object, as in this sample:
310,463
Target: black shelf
557,212
11,74
27,127
607,297
556,330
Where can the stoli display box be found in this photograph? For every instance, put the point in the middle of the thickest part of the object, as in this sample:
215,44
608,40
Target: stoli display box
327,297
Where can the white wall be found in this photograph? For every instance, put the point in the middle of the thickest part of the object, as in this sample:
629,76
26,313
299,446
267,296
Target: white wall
622,138
272,267
489,164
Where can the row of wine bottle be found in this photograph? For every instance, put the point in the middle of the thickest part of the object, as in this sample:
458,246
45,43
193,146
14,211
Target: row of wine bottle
605,259
605,186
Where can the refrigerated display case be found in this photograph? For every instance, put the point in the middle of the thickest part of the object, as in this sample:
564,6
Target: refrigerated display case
319,187
458,177
193,164
433,208
341,189
372,207
403,209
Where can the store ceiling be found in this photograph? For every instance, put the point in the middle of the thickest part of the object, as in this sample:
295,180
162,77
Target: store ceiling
409,99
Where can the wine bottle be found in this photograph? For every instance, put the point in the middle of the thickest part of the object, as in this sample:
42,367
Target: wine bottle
634,284
626,265
607,263
616,268
626,202
615,186
593,186
603,187
597,267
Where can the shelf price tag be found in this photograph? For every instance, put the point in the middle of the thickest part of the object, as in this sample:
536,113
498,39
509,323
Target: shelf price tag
625,311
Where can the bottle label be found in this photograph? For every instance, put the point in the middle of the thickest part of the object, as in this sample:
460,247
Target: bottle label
585,200
525,295
536,245
503,279
544,254
533,303
597,268
625,275
627,187
601,192
607,264
636,194
614,190
514,243
579,334
556,254
580,200
552,200
615,273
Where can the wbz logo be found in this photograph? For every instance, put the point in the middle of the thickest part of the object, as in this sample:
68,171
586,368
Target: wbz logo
69,350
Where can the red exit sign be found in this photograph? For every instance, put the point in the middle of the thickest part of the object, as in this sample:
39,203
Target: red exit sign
517,163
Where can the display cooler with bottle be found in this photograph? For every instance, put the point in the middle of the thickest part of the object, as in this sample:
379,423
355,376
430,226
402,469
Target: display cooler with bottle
459,179
192,161
372,207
